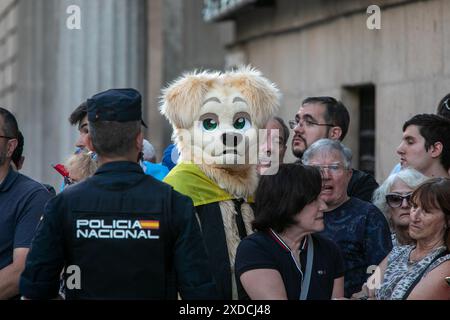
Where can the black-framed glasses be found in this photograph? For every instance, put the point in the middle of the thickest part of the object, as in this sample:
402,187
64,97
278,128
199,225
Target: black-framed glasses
308,123
395,200
5,137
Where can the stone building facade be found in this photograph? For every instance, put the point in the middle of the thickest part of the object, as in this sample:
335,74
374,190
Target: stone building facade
306,47
47,68
384,76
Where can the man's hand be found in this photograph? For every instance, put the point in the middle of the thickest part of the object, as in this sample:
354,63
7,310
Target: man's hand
10,275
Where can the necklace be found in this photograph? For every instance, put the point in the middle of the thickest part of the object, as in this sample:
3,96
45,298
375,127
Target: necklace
412,261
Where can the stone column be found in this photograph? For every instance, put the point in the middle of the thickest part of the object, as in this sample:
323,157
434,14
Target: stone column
60,68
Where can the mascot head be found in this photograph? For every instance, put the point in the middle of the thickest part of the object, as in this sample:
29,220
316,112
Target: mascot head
216,116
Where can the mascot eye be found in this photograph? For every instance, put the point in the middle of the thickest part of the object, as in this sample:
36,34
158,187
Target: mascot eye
209,124
241,123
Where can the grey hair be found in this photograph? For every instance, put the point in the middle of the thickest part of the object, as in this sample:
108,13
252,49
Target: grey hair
328,145
411,177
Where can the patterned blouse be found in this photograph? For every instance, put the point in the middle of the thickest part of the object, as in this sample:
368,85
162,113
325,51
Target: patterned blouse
400,273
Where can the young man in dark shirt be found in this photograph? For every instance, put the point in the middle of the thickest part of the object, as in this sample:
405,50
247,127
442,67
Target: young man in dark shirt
325,117
425,145
22,202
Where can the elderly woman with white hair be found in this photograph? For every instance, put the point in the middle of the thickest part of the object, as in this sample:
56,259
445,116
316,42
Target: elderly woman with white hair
392,198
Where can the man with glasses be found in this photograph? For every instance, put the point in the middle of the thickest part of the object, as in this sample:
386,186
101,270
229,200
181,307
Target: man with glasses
357,227
325,117
22,202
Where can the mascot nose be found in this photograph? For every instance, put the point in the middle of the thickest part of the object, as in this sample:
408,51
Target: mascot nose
231,139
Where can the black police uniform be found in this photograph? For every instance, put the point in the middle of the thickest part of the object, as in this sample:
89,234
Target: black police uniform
130,235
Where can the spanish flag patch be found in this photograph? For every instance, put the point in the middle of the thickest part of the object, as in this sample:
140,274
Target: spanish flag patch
149,224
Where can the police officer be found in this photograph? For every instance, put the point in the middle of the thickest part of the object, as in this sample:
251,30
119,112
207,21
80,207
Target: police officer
120,234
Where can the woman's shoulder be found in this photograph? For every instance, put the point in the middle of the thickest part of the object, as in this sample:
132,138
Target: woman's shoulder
433,285
256,252
441,263
257,239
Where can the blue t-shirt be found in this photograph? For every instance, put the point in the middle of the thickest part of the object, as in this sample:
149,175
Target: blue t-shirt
22,202
396,169
362,233
156,170
262,250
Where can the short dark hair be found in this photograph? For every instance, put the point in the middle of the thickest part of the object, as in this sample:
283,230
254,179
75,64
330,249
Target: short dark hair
17,154
280,197
335,112
443,108
111,138
78,114
10,126
285,131
434,194
433,128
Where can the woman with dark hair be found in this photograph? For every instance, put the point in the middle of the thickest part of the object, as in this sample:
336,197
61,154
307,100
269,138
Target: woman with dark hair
283,259
419,272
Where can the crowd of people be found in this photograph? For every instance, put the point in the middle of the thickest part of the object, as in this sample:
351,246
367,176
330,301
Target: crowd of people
322,229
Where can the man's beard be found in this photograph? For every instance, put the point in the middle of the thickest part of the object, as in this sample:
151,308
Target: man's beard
298,153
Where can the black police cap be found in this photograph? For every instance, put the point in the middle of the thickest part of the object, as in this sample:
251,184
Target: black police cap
121,105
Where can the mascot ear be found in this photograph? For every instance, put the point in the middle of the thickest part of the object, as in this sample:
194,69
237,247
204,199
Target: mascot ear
181,100
262,95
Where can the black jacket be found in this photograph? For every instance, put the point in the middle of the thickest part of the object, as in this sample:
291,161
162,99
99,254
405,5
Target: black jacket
362,185
131,236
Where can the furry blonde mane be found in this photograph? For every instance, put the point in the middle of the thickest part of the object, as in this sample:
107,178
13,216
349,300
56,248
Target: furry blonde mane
181,104
181,101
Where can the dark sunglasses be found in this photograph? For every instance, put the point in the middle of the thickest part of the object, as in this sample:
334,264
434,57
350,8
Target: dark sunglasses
395,200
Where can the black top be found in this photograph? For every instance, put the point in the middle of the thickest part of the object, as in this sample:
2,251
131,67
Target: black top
362,233
362,185
263,250
131,236
213,233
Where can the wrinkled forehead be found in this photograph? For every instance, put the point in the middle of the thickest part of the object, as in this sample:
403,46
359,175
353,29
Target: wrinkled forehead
398,185
326,156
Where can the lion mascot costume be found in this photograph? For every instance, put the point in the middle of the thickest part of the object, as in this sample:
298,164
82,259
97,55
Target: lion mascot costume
215,118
